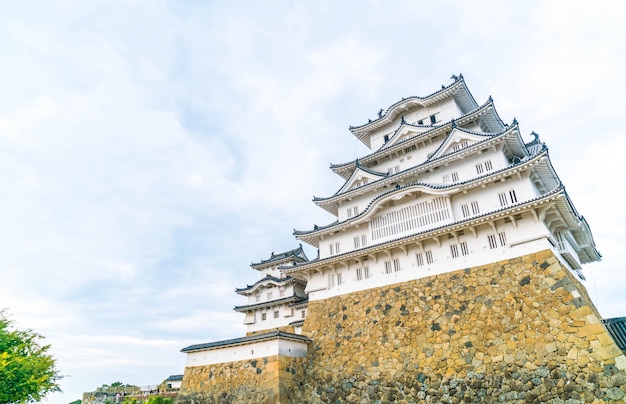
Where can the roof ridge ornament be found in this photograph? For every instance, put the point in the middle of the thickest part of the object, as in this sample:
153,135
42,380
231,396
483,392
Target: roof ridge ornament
452,123
490,99
514,123
454,77
402,121
380,113
535,135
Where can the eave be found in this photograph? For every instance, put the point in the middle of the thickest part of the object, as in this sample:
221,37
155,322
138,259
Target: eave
458,90
312,236
246,340
434,233
249,289
345,169
510,136
271,303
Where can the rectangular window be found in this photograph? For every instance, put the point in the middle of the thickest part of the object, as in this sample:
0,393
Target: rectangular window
503,199
349,210
492,241
396,265
465,209
282,293
420,122
276,314
464,249
388,267
475,209
507,198
331,281
420,259
336,248
257,298
269,295
418,216
303,313
429,257
263,316
433,119
454,250
356,210
452,177
359,274
339,279
393,170
459,146
484,167
357,242
364,240
410,149
331,248
366,272
502,237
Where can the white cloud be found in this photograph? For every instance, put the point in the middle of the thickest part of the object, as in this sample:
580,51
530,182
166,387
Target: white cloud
149,151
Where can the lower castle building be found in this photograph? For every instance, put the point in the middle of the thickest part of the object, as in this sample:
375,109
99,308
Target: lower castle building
452,273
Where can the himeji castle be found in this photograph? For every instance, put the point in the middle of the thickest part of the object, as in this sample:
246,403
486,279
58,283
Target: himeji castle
448,185
453,271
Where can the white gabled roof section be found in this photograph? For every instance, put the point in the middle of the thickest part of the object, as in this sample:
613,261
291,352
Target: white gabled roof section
404,132
458,138
360,176
458,90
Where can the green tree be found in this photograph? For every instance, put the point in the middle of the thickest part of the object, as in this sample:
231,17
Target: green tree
159,400
27,371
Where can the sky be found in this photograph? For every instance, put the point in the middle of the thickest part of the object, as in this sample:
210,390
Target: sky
150,150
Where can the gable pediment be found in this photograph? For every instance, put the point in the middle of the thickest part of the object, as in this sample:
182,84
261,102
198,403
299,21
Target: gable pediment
457,140
360,176
405,131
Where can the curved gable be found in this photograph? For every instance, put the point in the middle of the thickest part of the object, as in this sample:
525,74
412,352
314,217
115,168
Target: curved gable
458,139
360,176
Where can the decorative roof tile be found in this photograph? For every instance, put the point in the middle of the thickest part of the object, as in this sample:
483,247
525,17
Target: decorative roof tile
296,254
246,340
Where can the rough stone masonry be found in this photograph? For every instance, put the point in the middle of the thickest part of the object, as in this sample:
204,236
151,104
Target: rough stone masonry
522,330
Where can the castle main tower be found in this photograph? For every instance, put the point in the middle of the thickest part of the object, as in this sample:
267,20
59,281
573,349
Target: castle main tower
452,273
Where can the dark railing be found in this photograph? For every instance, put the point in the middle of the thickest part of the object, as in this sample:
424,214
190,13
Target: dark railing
617,328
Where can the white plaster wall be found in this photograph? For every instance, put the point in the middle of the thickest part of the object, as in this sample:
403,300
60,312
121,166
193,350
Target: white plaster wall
445,111
286,315
253,350
529,236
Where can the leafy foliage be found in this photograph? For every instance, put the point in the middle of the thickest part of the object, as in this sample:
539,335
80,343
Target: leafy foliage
159,400
27,371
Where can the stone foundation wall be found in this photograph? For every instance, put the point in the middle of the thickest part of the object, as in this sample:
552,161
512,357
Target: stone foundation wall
264,381
287,328
521,330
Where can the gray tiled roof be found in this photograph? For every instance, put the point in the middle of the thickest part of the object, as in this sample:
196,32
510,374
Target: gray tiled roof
297,254
617,328
268,278
244,340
